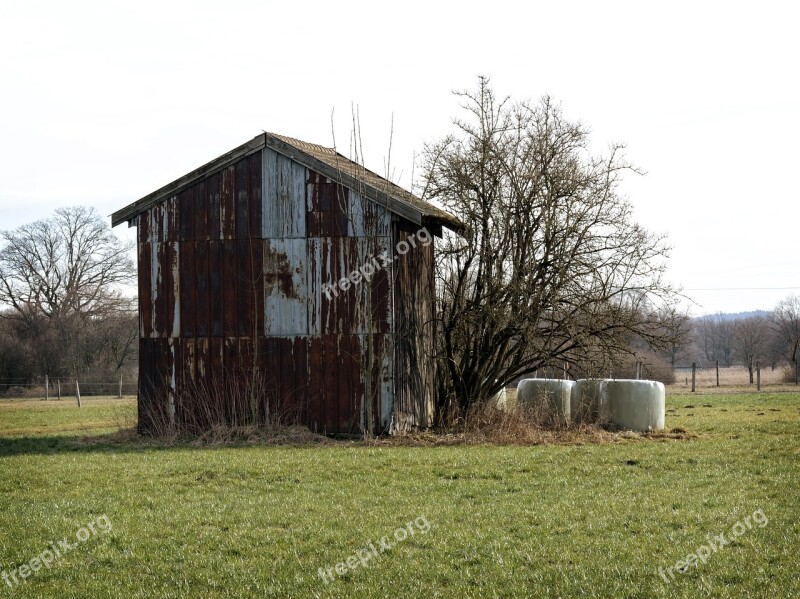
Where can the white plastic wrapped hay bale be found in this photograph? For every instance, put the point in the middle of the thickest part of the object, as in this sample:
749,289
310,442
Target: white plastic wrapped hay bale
501,400
549,397
636,405
589,401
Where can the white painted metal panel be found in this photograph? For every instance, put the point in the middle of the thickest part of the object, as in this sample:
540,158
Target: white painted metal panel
270,214
366,218
285,287
283,196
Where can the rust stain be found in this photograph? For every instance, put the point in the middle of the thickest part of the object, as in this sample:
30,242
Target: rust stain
279,273
221,302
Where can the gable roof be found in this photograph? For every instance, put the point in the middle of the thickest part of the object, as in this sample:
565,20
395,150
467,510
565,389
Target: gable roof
325,161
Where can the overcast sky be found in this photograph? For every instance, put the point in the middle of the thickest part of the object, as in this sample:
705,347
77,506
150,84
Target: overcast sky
102,103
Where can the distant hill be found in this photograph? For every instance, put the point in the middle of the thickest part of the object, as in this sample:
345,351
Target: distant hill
736,315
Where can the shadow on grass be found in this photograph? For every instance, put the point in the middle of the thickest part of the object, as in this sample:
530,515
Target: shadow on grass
128,440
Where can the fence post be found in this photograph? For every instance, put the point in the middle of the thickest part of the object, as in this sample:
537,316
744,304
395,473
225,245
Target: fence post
694,370
717,373
46,388
758,375
119,395
78,392
58,384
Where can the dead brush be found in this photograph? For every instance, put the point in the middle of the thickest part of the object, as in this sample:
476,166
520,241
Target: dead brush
527,425
220,411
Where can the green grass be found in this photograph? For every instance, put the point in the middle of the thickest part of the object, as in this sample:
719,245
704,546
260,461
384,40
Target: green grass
591,520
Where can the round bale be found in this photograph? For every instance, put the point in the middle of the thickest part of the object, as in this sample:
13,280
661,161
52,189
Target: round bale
589,401
548,398
636,405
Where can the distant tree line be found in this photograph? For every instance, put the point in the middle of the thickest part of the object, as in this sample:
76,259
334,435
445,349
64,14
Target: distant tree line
62,309
769,338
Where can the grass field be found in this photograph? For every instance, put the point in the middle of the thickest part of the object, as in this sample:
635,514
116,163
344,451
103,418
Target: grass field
588,520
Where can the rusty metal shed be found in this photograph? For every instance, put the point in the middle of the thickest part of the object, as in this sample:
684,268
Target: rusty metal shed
236,263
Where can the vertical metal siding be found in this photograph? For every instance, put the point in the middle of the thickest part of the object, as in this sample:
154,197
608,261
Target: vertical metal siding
231,281
414,313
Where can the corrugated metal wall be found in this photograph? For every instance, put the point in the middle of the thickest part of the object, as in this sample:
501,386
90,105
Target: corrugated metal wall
231,285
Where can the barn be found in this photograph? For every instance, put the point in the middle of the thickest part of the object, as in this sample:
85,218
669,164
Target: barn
283,280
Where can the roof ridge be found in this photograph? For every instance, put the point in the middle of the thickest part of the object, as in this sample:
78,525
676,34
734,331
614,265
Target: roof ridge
326,161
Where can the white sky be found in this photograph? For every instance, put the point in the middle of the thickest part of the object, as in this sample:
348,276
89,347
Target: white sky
103,102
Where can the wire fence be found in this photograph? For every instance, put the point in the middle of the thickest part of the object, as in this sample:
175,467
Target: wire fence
734,376
56,388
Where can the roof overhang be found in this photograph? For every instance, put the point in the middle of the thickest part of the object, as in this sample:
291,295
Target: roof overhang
388,197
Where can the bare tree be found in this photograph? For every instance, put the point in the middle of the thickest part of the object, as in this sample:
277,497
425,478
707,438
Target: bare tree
70,263
785,322
751,336
676,330
551,266
715,336
60,286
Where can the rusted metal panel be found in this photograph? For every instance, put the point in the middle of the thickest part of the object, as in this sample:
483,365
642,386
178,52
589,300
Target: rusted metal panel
255,191
242,195
188,289
165,290
271,216
386,383
372,312
354,391
338,257
326,207
314,284
143,227
185,201
200,211
233,381
377,357
366,218
155,384
285,287
227,203
145,260
246,288
202,361
299,390
214,200
157,223
414,309
330,397
178,379
285,376
201,288
245,277
214,374
315,391
216,288
230,281
164,223
270,376
147,385
335,303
